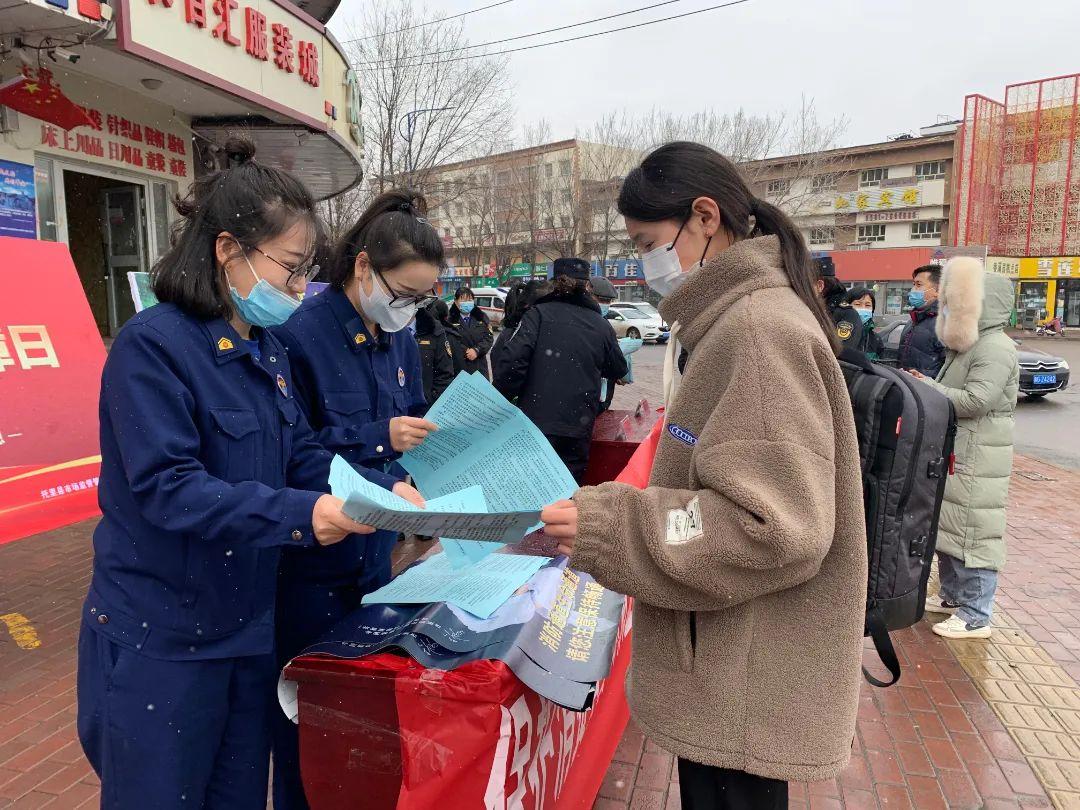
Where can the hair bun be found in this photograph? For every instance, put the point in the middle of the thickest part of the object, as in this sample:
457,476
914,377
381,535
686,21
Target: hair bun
238,150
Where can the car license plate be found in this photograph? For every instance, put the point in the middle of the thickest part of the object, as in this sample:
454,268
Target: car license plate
1045,379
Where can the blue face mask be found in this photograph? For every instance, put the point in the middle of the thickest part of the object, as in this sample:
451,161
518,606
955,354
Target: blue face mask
265,305
865,314
916,298
604,309
466,307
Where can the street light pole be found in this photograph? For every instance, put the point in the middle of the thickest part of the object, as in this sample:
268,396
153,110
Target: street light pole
409,120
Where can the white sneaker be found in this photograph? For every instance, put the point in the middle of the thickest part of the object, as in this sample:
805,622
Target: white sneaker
935,604
955,627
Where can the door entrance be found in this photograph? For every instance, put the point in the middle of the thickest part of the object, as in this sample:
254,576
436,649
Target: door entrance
106,231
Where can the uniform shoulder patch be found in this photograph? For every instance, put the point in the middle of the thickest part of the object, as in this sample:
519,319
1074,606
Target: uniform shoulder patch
844,330
224,344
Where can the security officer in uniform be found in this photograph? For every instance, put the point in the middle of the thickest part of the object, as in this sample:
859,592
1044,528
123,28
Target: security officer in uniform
358,381
849,326
208,470
436,354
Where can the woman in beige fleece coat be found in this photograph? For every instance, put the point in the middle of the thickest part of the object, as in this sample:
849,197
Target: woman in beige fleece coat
746,554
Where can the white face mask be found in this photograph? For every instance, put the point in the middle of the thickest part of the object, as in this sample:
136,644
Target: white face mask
663,272
662,268
377,307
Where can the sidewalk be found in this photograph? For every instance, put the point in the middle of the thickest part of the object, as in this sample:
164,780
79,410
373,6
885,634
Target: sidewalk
971,725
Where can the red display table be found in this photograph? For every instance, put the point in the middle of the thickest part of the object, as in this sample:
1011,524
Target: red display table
384,732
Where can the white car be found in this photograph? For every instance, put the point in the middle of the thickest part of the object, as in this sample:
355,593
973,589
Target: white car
633,321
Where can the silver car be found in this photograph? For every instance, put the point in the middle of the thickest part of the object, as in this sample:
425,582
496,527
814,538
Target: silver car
631,321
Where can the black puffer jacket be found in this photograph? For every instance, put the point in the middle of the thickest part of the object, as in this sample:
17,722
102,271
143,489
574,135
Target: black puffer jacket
436,355
474,333
919,347
553,362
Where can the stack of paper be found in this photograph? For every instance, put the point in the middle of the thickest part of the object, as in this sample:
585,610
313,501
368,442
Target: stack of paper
481,589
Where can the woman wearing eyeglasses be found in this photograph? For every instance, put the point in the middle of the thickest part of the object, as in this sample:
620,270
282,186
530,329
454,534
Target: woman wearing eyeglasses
208,469
358,380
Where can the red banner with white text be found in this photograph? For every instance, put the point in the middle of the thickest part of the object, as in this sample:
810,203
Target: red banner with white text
51,357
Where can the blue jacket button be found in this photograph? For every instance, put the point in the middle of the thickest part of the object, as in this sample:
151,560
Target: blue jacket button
297,535
103,619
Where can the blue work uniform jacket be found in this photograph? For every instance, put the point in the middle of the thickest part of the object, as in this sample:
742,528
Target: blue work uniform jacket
350,384
208,469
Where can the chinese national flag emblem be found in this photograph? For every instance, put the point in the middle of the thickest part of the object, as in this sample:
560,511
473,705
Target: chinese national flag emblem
40,97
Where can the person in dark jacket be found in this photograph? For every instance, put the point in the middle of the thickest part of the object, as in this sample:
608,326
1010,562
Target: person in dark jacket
920,349
441,310
864,302
553,366
209,473
436,353
849,326
358,381
474,329
519,298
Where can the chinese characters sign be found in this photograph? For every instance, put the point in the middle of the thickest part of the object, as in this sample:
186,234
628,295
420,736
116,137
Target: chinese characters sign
248,47
1049,267
51,357
877,199
123,142
17,213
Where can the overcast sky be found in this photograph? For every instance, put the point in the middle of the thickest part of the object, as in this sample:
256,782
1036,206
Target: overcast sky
888,66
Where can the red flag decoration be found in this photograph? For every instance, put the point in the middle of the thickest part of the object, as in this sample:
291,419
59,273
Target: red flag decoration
41,97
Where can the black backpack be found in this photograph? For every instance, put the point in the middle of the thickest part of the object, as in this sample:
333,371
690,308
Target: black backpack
906,431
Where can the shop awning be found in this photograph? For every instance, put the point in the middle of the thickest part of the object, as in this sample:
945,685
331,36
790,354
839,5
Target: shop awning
324,163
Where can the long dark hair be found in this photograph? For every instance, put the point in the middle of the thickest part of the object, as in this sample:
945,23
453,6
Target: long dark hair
392,230
251,201
671,177
521,296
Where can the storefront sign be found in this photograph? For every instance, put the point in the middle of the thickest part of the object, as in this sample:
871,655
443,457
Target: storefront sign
1003,266
123,130
267,51
51,357
890,216
878,199
1050,267
17,211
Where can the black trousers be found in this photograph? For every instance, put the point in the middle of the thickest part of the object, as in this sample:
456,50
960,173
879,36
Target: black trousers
574,453
704,787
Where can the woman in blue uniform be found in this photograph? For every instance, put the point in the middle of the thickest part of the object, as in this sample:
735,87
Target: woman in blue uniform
358,380
208,470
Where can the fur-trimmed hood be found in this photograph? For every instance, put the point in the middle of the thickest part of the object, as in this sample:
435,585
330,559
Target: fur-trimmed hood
971,302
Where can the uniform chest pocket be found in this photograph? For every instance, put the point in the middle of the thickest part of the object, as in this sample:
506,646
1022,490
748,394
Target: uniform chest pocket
233,449
347,408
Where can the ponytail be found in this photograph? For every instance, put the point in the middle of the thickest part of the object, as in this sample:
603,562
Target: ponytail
795,258
671,177
392,230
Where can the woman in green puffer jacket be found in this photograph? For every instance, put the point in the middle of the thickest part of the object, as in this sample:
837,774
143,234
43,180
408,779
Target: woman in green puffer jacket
981,379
